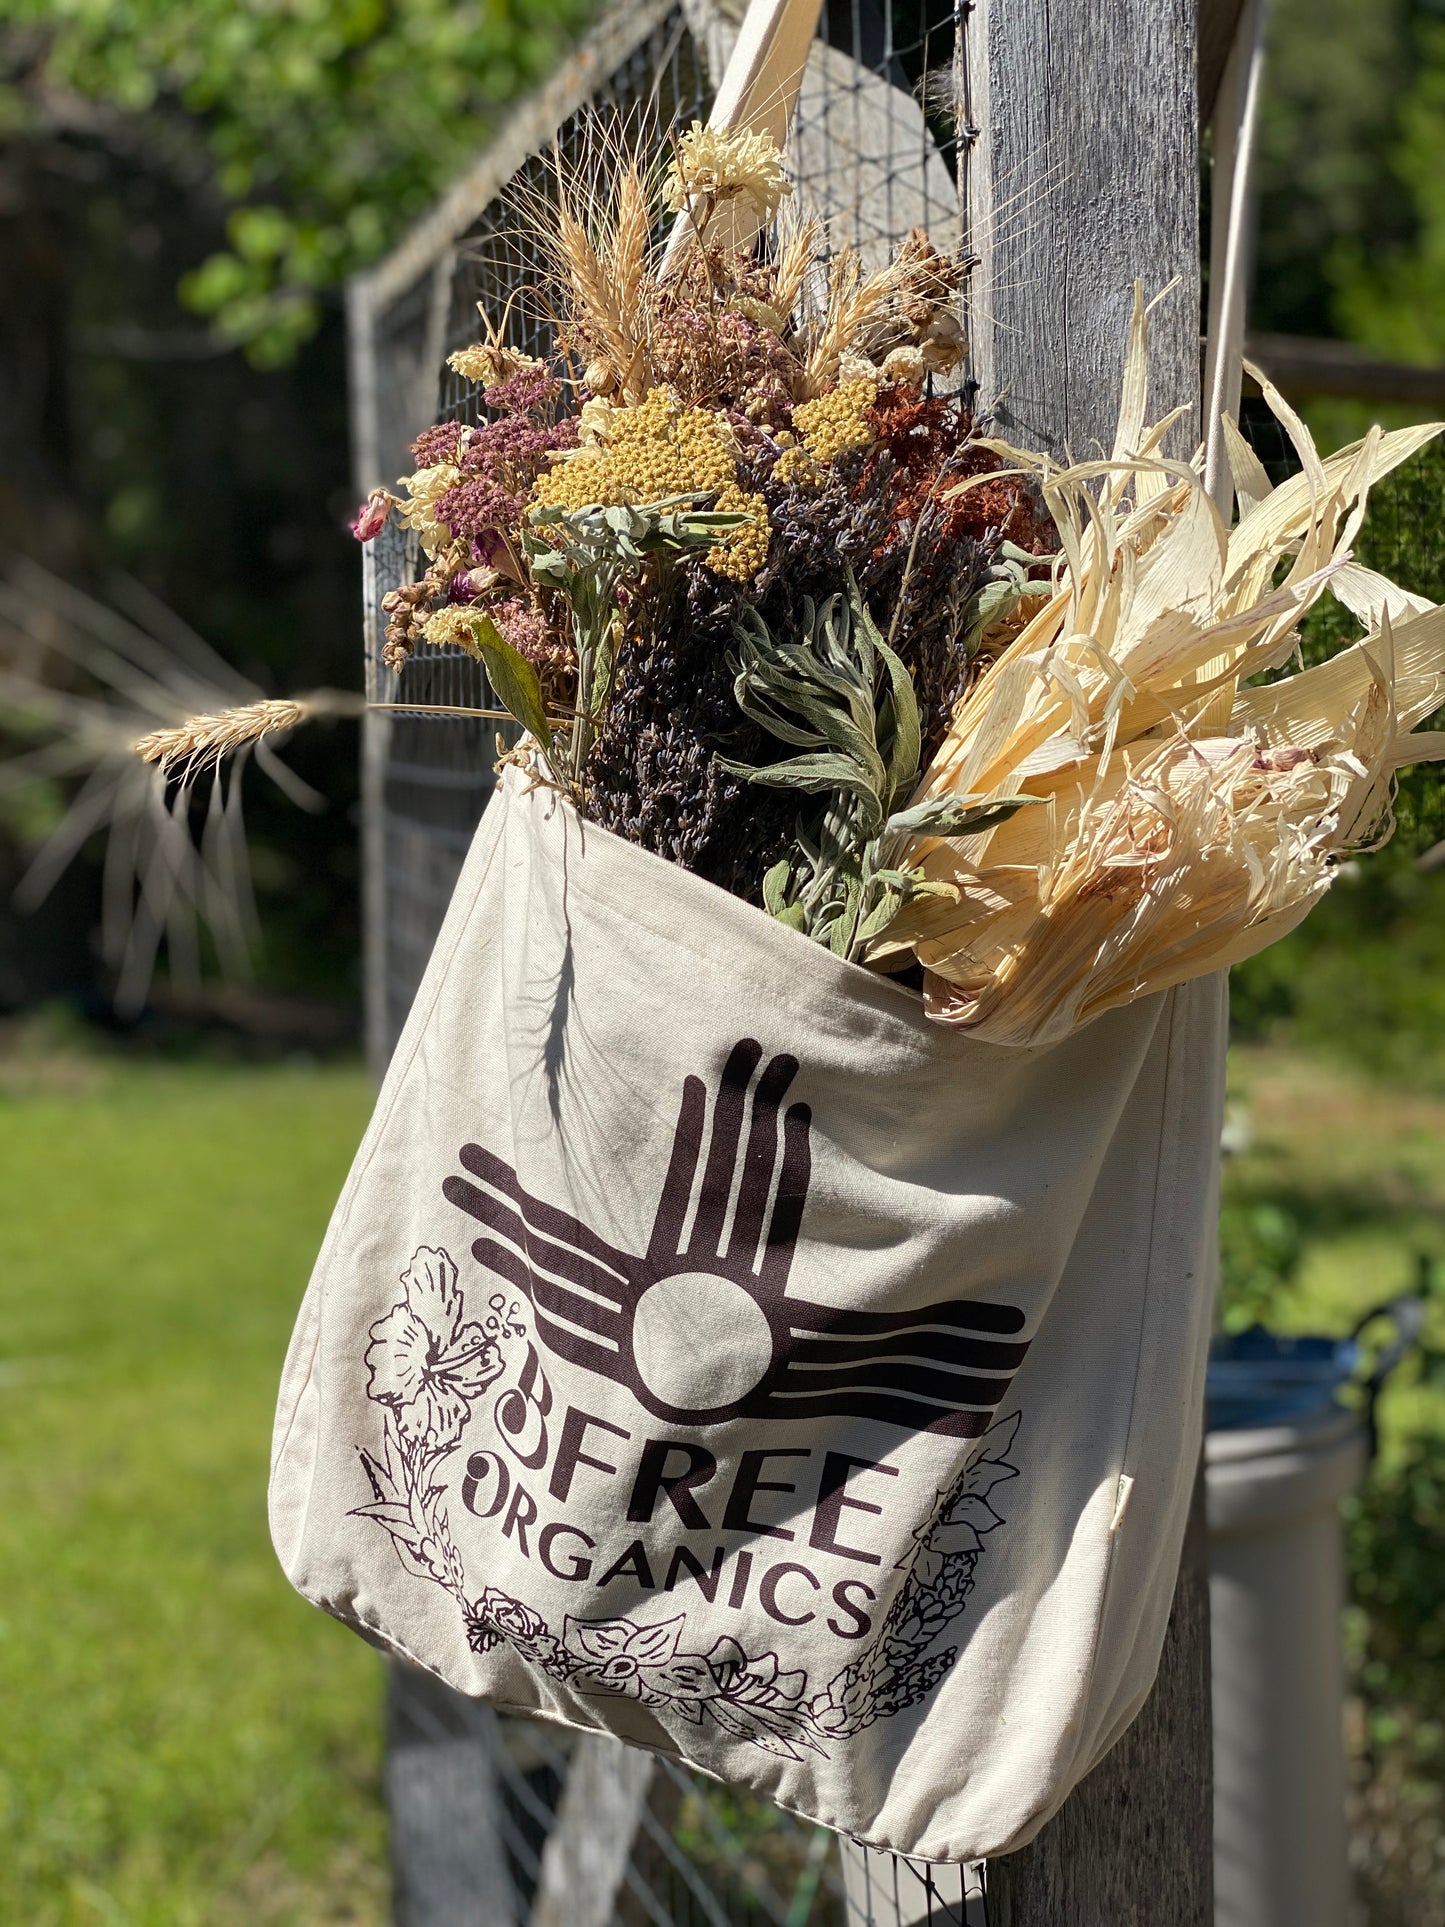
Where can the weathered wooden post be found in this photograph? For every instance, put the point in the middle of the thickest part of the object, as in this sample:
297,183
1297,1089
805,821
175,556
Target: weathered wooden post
1082,130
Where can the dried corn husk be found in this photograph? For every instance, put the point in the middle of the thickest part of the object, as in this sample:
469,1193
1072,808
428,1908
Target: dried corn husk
1190,821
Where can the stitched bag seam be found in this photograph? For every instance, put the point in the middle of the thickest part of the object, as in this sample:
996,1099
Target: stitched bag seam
1164,1173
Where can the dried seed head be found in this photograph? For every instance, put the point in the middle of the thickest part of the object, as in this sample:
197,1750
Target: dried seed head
490,362
199,743
714,165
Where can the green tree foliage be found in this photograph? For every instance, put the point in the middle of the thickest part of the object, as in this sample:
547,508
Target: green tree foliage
1335,72
326,125
1364,975
1352,189
1395,1646
1396,301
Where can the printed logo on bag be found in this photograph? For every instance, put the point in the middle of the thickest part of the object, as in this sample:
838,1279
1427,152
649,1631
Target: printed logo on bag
697,1332
700,1328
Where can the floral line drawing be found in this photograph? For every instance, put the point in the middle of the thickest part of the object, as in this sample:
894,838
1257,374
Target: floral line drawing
898,1668
428,1364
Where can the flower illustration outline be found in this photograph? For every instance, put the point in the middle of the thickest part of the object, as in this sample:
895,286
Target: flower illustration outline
425,1361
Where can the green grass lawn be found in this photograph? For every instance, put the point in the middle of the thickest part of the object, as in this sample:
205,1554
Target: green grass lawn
182,1739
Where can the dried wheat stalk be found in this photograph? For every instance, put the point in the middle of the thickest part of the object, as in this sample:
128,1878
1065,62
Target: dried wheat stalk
186,750
198,744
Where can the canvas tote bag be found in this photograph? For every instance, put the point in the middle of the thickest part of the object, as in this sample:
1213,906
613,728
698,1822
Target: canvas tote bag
709,1350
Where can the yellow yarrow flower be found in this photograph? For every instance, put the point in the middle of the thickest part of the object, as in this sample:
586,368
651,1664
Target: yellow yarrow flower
826,427
719,166
453,627
797,465
837,420
657,449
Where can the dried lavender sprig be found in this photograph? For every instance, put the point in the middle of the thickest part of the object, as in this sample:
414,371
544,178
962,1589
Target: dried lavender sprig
587,554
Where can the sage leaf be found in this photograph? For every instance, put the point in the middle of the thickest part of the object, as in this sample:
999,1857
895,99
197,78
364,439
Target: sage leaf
514,680
821,771
907,745
957,815
775,888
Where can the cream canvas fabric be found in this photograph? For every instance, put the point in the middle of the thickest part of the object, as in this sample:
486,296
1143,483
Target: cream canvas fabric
709,1350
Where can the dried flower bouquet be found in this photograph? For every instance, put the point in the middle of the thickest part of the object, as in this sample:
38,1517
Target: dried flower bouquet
769,605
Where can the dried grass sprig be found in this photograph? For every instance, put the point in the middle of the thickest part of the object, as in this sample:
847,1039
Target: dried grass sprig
87,677
595,229
799,250
853,300
190,749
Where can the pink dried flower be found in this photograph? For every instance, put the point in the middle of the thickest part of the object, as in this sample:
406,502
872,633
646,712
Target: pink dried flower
523,625
373,515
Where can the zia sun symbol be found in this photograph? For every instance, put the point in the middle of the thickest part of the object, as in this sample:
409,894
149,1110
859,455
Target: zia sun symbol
701,1327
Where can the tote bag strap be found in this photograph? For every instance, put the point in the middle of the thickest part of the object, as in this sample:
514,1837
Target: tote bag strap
1236,122
1236,119
760,86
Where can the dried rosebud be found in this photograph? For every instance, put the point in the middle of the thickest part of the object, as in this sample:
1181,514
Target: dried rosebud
374,515
468,584
940,356
592,422
407,596
905,366
855,367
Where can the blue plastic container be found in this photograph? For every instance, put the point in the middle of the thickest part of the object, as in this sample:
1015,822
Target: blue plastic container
1256,1378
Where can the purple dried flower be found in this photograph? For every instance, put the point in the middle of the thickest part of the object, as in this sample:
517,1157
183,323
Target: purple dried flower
475,507
467,584
490,550
500,461
515,442
438,444
522,392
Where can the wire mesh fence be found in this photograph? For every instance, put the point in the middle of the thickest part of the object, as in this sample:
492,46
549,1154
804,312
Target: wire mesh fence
429,776
568,1830
874,153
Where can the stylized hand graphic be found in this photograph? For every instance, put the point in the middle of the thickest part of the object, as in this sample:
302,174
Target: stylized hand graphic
700,1327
